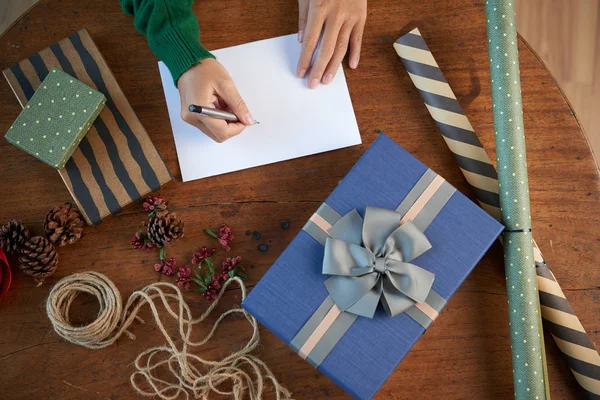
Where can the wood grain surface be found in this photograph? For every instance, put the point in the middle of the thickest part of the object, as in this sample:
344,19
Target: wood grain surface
465,354
566,36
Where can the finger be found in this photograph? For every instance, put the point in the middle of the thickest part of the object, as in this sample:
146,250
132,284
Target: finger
198,124
220,129
302,16
217,129
356,43
310,40
229,93
324,54
194,120
341,47
221,104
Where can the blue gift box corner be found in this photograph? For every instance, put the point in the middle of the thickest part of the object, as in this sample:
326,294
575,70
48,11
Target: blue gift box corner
293,288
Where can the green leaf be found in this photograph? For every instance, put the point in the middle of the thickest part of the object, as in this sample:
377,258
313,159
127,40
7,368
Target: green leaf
211,233
162,253
207,279
150,214
242,275
200,290
231,273
197,274
211,266
160,207
199,282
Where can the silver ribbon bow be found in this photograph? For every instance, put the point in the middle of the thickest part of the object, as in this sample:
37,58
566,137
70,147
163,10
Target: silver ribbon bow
369,262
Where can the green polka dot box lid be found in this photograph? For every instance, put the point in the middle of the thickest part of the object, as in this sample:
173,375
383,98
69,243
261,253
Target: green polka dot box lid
56,119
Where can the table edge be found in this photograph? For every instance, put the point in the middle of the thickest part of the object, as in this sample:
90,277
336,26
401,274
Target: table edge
566,99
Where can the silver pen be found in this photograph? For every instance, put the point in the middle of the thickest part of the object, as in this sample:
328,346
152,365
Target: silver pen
213,112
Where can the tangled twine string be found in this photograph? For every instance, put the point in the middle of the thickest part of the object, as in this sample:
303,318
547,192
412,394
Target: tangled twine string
240,372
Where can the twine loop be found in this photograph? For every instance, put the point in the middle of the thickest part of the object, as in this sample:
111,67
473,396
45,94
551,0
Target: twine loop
237,375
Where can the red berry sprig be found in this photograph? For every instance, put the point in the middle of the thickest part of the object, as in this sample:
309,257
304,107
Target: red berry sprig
202,254
207,281
152,205
210,282
165,266
140,241
231,267
225,236
184,277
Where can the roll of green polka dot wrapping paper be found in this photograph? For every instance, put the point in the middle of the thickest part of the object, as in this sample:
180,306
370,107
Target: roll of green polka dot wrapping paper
56,118
526,334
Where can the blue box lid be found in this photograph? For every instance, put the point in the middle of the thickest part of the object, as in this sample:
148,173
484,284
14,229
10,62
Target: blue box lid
293,288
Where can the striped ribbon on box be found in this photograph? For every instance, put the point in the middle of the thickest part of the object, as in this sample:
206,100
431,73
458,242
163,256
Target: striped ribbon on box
557,314
328,324
116,163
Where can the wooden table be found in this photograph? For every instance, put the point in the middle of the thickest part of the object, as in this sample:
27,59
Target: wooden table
465,354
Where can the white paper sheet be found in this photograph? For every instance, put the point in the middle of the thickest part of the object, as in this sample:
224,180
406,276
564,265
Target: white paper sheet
295,121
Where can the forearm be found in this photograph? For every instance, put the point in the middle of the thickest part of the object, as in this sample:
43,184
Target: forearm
172,31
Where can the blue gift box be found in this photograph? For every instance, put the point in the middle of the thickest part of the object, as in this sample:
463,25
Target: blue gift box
293,292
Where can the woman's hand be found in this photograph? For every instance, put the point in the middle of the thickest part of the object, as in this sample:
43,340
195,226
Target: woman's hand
342,23
208,84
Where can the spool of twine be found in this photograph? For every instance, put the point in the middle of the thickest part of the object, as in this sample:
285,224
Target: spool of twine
237,375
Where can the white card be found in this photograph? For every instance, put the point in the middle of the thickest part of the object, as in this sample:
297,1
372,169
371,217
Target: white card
295,121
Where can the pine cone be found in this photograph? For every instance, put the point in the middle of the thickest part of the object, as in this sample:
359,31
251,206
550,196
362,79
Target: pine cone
64,225
165,229
38,258
13,235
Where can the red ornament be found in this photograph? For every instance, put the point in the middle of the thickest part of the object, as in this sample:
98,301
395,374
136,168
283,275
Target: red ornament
5,274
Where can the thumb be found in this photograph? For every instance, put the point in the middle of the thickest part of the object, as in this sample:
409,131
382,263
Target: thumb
302,17
230,95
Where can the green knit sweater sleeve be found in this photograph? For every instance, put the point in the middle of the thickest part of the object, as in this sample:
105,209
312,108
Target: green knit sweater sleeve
172,31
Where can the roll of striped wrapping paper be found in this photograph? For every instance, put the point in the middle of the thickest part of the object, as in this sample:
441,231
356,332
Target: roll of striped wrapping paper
557,314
